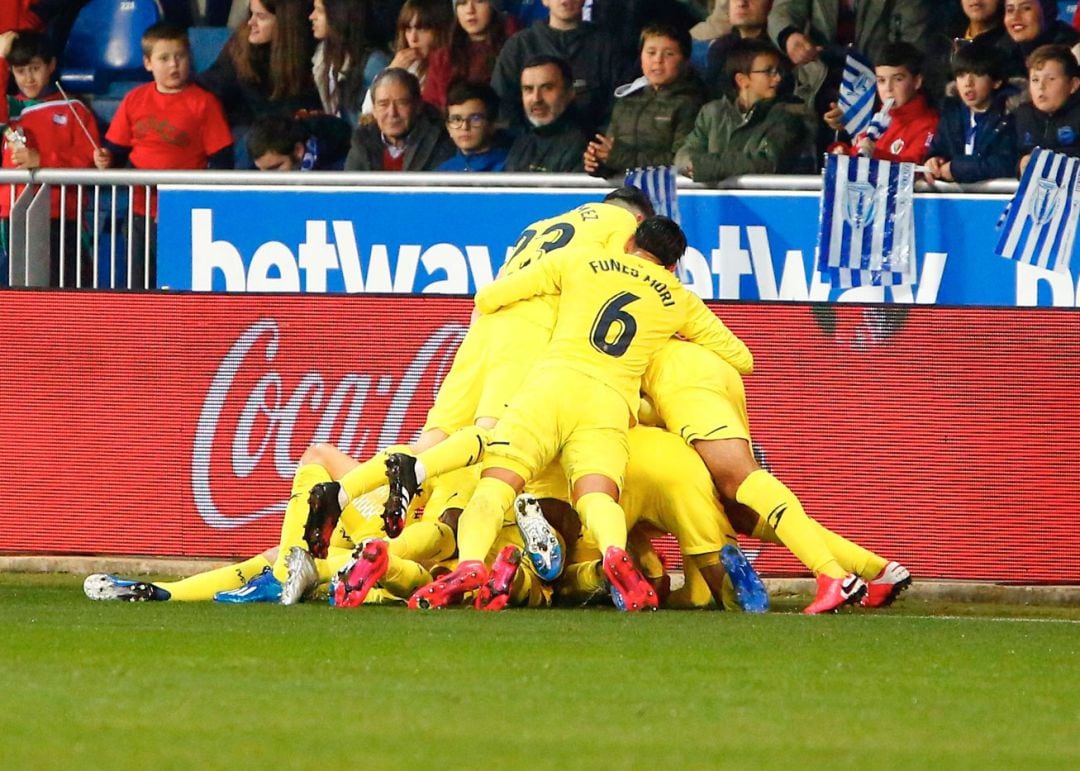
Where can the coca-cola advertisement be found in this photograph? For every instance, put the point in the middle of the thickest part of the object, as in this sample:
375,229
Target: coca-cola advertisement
171,424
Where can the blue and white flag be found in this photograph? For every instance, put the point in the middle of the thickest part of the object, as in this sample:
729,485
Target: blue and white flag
866,229
1039,225
658,183
858,90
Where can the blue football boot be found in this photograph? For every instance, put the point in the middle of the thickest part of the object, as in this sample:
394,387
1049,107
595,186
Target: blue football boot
103,586
262,588
750,592
541,543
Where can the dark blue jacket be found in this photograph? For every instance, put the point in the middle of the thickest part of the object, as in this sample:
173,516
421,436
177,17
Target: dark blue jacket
493,160
995,153
1059,131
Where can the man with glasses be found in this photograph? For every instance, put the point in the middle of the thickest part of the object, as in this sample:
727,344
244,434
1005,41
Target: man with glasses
406,134
470,118
753,132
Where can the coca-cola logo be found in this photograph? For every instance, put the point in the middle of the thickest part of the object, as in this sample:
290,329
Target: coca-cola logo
256,420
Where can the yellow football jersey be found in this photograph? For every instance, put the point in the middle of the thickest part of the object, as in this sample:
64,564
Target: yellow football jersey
615,312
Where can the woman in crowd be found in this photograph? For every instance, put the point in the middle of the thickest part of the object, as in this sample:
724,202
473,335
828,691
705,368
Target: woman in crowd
479,31
346,60
265,67
1028,25
423,26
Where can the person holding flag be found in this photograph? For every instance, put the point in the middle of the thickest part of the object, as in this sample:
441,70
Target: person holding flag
904,127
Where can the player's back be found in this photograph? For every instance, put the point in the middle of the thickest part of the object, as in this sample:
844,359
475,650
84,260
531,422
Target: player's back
679,365
593,226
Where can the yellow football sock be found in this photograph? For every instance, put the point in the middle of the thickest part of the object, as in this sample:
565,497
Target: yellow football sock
366,477
425,541
203,586
404,576
296,513
604,518
581,581
462,448
336,558
852,557
774,502
482,518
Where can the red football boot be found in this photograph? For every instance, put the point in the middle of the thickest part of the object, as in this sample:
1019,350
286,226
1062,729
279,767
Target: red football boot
636,593
832,593
496,592
363,571
886,586
466,577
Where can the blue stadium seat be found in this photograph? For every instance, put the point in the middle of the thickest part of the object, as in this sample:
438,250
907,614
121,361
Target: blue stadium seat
104,44
206,44
1066,9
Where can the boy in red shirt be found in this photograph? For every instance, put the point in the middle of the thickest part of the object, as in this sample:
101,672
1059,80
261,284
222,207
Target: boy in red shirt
43,130
909,125
168,124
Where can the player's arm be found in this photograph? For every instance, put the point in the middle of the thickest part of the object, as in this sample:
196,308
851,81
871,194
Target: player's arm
704,328
537,278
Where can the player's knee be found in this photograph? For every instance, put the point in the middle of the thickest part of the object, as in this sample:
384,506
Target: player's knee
730,462
317,454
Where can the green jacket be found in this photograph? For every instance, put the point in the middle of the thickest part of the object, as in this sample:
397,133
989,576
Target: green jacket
649,125
772,139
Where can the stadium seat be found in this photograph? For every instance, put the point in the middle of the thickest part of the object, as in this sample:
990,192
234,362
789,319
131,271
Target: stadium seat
206,44
104,44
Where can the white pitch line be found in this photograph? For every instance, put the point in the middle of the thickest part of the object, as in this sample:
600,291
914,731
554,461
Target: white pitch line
980,618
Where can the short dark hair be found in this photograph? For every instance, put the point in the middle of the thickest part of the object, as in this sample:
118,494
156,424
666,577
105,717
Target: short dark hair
1054,53
900,54
740,58
397,75
275,134
462,91
670,31
978,59
631,198
561,64
30,45
662,238
164,30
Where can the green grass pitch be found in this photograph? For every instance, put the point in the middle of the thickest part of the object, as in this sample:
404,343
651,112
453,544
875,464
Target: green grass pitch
170,685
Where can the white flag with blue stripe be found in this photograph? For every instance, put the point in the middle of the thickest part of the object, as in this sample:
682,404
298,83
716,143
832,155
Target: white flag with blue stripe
858,90
866,228
658,183
1039,225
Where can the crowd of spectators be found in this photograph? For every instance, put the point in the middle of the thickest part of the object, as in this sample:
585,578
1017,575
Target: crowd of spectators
966,87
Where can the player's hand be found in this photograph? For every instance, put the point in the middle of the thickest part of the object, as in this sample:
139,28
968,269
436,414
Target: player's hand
102,158
6,39
800,49
25,158
834,117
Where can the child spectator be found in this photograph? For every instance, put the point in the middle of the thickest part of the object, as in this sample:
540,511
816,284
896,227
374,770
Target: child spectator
908,118
346,61
168,124
423,26
655,113
471,112
311,143
975,139
43,130
752,133
1052,119
589,50
479,32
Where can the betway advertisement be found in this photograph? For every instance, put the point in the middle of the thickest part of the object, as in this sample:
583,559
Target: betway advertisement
172,424
743,245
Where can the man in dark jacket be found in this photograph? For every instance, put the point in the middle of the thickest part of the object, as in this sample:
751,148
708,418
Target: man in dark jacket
590,52
555,140
406,135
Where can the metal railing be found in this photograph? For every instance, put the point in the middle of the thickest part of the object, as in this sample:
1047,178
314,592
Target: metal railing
102,242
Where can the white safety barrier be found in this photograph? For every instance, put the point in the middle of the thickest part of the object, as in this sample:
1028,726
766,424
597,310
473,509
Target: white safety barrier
91,247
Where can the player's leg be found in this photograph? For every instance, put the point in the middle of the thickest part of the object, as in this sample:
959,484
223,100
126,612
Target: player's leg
201,586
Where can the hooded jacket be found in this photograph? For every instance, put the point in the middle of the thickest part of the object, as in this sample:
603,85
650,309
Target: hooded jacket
995,153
